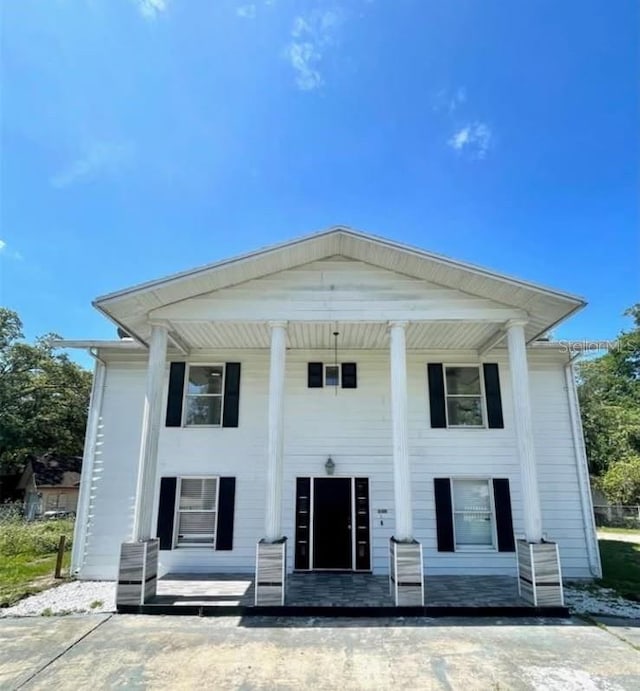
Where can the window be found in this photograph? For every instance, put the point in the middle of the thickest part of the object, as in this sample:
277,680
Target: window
473,516
463,392
332,375
204,393
197,512
320,374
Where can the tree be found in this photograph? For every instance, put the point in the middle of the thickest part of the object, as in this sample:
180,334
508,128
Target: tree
44,397
621,482
609,393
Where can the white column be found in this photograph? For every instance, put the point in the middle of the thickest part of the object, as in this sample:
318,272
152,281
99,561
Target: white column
273,510
151,421
401,471
519,371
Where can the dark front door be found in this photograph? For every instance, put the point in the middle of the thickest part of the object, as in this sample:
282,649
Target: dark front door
332,534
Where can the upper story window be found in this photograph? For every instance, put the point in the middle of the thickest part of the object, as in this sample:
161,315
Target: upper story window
332,375
204,395
320,374
463,392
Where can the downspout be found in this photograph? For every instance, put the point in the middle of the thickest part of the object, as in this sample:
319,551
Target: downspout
582,467
88,459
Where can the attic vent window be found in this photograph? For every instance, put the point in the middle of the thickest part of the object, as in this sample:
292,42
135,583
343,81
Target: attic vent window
332,375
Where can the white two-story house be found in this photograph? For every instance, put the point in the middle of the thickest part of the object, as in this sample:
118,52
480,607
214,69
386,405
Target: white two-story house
338,402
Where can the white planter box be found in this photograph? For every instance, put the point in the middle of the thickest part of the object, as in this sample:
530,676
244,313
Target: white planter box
271,558
406,579
137,573
539,573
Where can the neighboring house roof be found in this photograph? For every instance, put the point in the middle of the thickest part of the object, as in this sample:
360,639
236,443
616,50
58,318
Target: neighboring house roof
53,471
545,307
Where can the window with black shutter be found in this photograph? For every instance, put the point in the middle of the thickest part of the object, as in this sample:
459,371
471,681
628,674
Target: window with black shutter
202,395
320,374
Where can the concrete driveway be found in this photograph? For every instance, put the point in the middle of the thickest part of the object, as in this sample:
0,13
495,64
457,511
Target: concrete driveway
111,651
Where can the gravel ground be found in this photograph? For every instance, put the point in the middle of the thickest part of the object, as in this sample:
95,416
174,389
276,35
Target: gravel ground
594,600
99,596
77,596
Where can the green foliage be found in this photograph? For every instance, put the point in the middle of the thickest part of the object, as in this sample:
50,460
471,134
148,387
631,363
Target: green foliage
609,393
33,538
28,555
621,481
44,397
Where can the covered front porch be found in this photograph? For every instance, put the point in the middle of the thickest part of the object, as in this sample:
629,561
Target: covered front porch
339,594
338,299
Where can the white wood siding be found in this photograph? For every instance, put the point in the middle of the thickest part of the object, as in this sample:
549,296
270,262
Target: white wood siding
113,484
333,289
353,427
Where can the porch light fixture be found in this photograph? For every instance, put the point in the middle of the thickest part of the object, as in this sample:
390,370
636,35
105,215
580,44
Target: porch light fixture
329,466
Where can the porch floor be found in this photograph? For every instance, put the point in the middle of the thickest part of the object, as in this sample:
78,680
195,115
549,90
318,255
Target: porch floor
309,590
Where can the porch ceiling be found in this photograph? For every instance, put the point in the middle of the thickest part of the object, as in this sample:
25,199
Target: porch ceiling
319,335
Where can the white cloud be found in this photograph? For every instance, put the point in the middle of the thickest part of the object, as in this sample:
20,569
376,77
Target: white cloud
303,58
474,138
247,11
311,35
150,9
449,100
98,158
8,253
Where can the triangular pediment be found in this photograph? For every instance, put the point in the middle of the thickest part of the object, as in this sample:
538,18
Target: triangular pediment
544,307
336,289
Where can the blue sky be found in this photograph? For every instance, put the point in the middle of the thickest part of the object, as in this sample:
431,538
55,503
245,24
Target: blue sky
145,137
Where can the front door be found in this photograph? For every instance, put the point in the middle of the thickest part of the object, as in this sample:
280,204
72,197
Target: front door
332,518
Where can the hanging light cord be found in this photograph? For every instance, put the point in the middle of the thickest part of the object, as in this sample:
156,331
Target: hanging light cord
335,356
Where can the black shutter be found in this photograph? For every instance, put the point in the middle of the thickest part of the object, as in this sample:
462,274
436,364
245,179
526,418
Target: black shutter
349,375
314,375
492,393
226,509
363,539
166,511
231,394
436,395
504,521
303,522
444,514
176,393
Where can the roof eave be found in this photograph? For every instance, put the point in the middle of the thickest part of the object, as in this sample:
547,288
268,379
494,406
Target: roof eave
337,230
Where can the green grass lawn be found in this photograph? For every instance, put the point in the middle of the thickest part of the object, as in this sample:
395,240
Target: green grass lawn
621,567
26,574
28,557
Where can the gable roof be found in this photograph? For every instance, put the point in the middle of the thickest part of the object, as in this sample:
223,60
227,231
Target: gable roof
56,471
546,307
